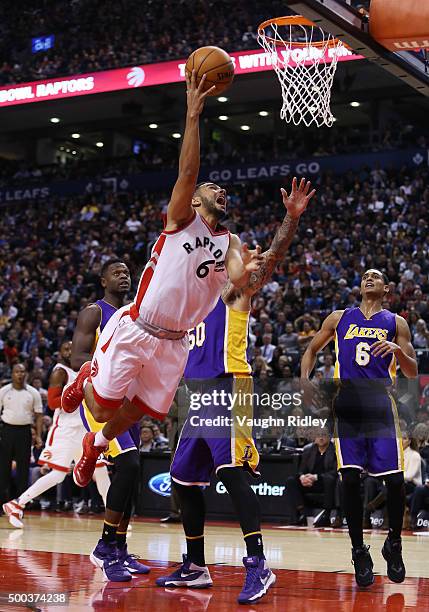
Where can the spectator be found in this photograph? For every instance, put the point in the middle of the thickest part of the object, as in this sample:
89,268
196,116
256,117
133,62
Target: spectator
317,474
20,404
61,295
412,464
267,348
327,369
161,442
147,442
305,336
420,499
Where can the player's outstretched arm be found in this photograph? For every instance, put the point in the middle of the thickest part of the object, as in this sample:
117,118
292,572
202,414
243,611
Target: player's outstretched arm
318,343
84,335
295,203
402,348
180,207
240,262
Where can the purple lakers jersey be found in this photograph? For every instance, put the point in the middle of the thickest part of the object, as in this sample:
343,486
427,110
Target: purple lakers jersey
218,345
107,310
122,442
355,334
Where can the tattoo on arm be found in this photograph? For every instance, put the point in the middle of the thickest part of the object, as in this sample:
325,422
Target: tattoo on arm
284,237
276,253
230,293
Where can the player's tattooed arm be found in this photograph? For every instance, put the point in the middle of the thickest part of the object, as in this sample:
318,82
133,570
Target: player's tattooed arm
84,335
240,262
275,253
295,203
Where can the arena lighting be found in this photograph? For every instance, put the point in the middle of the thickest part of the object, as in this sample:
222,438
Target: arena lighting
263,113
176,135
222,99
355,104
75,135
73,152
99,144
54,119
223,117
153,126
245,128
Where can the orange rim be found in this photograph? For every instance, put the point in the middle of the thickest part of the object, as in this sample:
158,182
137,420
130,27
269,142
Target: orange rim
296,20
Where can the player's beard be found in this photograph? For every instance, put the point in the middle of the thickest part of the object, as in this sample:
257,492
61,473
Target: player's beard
210,206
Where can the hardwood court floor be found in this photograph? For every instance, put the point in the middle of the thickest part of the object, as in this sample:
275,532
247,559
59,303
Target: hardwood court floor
313,569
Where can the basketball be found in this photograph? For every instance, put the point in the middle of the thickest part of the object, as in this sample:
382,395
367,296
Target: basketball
216,64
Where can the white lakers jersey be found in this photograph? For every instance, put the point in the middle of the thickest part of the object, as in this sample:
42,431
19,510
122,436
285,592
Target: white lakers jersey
64,418
184,277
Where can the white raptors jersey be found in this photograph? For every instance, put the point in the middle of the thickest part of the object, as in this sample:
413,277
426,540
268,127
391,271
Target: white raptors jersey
184,277
64,418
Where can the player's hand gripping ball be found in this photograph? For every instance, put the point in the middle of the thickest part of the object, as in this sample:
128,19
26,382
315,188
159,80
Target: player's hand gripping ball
216,64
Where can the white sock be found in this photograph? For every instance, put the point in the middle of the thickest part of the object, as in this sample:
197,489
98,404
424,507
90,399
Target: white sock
40,486
102,480
100,440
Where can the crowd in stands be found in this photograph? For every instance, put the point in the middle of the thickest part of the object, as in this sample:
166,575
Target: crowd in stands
101,35
95,35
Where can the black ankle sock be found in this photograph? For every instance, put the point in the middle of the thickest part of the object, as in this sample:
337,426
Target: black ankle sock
121,539
109,533
195,550
254,545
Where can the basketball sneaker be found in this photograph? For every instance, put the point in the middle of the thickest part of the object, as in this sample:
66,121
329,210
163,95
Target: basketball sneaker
72,394
259,578
392,553
84,468
105,556
14,512
187,575
131,562
363,564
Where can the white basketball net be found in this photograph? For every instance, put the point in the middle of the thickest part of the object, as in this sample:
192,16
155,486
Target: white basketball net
306,73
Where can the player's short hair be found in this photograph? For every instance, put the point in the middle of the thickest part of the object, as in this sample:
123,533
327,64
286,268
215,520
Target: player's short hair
383,274
199,185
108,263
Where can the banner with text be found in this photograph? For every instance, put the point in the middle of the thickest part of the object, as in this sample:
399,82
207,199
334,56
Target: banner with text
143,76
278,170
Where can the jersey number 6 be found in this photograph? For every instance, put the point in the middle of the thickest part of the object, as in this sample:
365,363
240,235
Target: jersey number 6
363,354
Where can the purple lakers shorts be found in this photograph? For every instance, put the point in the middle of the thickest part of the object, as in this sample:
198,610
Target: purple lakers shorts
217,435
367,434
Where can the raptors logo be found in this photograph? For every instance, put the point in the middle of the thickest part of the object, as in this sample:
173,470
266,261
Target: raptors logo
94,368
247,455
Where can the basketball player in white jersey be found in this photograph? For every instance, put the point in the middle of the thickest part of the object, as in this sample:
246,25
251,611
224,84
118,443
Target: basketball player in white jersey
63,444
142,351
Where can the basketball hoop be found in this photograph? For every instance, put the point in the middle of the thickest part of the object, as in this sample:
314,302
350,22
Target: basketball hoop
304,58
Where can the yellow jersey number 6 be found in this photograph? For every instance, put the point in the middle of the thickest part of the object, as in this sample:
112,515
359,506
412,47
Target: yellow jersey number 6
197,335
363,354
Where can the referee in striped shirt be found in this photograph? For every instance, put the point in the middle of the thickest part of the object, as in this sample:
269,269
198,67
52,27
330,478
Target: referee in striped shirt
20,406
